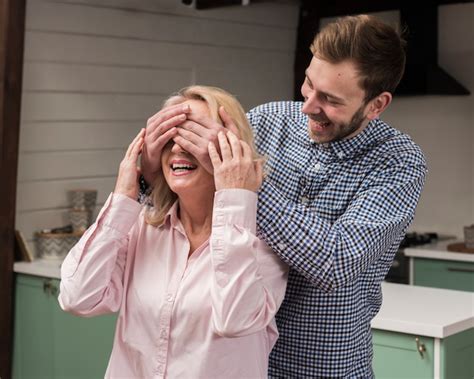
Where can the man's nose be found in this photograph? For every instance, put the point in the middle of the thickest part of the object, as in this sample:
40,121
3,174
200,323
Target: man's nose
311,105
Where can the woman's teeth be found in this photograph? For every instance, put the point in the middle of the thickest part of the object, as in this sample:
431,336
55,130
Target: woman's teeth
179,167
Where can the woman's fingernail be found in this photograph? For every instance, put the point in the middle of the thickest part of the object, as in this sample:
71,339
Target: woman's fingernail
186,107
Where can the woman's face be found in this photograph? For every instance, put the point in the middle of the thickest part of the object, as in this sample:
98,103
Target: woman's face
182,171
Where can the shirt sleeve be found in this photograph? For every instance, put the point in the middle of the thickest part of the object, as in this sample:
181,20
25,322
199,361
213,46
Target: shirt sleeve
249,279
92,272
330,255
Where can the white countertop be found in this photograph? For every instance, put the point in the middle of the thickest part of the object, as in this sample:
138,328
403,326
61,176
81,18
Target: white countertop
438,250
425,311
40,267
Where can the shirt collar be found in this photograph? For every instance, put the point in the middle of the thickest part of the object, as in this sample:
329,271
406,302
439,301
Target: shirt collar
171,217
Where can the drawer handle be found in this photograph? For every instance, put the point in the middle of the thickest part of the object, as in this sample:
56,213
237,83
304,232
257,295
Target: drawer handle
49,288
420,347
455,269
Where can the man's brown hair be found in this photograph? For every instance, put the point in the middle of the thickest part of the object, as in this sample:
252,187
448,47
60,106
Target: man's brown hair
376,48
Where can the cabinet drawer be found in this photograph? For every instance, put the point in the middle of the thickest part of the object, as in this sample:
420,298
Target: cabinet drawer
396,355
444,274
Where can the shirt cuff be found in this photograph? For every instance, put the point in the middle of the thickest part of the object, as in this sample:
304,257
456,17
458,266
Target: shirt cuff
235,207
119,212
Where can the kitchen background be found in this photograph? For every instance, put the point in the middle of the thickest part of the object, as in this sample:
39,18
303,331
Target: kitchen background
95,70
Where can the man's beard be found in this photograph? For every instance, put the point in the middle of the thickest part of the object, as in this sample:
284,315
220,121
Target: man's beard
355,123
344,130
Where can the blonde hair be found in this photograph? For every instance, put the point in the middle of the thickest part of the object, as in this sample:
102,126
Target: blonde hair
162,197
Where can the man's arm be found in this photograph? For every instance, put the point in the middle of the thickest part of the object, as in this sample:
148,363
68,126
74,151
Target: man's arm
332,255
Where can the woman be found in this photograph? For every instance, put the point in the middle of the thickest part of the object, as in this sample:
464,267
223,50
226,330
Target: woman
195,289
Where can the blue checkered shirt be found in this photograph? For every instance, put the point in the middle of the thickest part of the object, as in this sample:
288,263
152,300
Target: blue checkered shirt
336,213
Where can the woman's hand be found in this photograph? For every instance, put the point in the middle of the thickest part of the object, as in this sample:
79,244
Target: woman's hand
127,179
160,128
236,168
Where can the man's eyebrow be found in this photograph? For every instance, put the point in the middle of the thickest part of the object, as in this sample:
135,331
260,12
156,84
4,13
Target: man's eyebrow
334,97
327,94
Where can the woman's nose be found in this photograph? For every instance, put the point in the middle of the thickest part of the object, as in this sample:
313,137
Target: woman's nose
177,148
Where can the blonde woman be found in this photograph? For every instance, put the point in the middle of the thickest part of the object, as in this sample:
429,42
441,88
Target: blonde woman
195,289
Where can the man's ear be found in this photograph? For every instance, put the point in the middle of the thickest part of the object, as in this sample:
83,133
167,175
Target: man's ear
378,104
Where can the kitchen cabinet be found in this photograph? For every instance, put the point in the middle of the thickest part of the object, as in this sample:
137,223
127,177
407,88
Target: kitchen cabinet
434,266
443,274
423,332
49,343
400,355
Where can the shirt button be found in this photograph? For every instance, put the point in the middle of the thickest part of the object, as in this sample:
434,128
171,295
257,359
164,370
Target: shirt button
220,204
340,155
304,199
281,246
169,298
317,167
163,334
159,370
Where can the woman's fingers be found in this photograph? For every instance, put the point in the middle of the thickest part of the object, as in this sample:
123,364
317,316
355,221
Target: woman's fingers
228,122
214,155
224,147
137,148
236,147
140,134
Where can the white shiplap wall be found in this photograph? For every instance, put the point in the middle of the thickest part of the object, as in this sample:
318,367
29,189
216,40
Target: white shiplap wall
95,70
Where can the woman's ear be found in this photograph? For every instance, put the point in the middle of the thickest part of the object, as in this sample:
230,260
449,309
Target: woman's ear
378,104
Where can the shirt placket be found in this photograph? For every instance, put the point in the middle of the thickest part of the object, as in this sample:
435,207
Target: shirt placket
164,322
163,338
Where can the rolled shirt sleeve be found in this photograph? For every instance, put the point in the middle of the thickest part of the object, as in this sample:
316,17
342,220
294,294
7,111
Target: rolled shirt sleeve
249,279
92,272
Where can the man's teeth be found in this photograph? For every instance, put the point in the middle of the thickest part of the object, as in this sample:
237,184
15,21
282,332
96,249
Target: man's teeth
323,124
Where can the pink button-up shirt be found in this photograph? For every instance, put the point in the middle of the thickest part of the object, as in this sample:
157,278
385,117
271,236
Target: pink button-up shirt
209,316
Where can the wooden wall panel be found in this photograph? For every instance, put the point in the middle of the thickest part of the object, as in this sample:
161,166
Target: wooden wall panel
278,13
95,70
80,77
155,26
52,194
75,164
69,106
82,135
157,54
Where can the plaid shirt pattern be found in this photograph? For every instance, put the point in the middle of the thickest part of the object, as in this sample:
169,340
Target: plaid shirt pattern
336,213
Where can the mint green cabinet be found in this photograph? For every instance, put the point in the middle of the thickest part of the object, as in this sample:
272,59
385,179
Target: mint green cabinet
453,275
49,343
399,355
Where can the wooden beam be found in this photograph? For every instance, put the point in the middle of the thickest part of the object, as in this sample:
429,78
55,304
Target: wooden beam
12,30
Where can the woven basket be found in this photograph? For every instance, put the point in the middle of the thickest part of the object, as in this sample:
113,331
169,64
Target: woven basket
55,245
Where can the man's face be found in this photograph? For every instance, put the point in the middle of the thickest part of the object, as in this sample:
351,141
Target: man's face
334,101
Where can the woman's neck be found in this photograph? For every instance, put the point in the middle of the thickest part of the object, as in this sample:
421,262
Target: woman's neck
196,216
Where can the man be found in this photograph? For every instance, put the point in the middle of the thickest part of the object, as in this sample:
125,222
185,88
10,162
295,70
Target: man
341,191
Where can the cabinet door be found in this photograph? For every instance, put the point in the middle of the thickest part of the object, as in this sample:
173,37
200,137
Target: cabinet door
52,344
444,274
33,345
457,356
82,346
396,355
